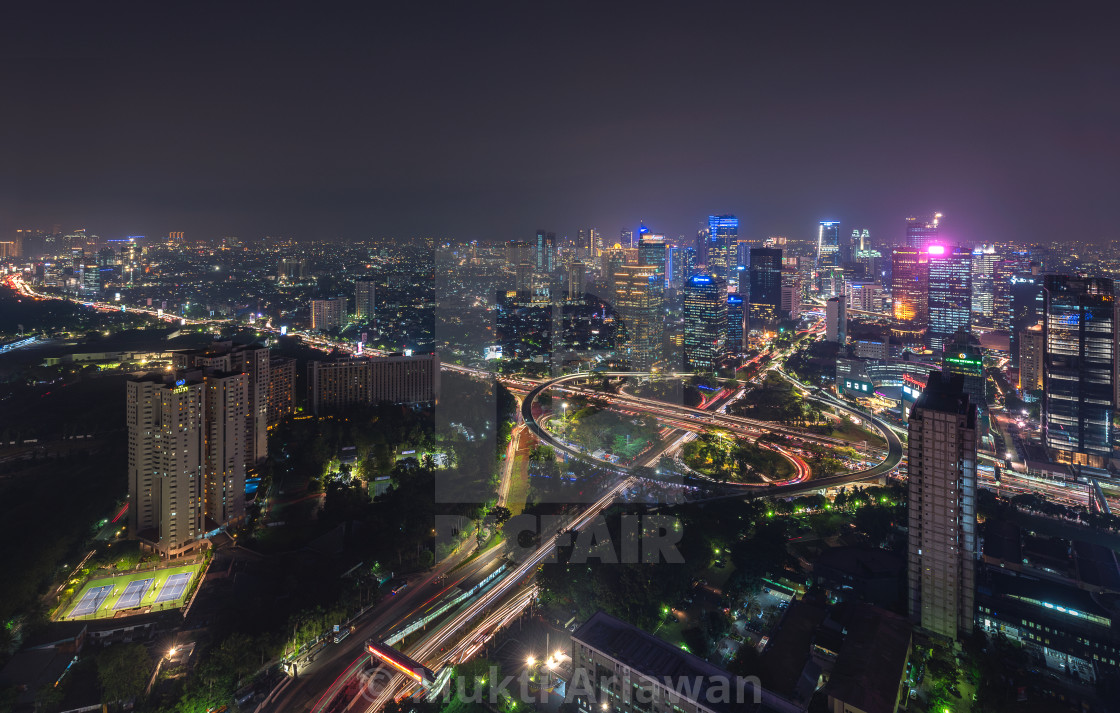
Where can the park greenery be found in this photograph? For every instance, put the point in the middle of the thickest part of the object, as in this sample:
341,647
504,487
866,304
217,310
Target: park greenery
596,429
776,400
719,455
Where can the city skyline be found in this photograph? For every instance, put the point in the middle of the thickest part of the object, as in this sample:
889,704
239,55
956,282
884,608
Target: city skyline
332,129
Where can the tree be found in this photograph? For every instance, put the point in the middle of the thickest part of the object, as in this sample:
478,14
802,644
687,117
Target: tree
499,515
123,671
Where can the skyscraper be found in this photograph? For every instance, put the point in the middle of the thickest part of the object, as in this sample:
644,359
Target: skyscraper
1012,264
546,252
224,423
765,293
909,294
639,305
681,264
923,231
736,323
836,320
828,244
1079,369
281,389
587,243
1032,346
651,251
942,505
365,305
253,361
984,259
723,232
165,460
577,280
705,322
1026,308
950,293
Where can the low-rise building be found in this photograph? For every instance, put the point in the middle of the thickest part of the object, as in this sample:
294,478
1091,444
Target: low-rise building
617,667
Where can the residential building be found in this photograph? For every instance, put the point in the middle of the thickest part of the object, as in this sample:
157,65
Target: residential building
166,436
281,389
252,360
365,300
942,504
327,314
836,320
224,424
1032,346
350,381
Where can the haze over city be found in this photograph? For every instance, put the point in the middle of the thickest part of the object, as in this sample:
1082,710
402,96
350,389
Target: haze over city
488,121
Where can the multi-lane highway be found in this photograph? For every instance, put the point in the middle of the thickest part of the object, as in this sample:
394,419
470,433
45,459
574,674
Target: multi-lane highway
891,460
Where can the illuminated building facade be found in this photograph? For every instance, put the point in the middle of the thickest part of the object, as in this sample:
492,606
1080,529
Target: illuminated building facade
950,293
639,306
828,245
397,378
765,293
705,322
252,360
923,231
164,416
365,299
651,252
1032,345
1079,369
723,232
909,294
327,314
546,252
281,389
736,323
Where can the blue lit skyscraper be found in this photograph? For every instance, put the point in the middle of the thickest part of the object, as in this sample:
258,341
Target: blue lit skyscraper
723,232
950,293
705,322
546,252
828,244
1079,369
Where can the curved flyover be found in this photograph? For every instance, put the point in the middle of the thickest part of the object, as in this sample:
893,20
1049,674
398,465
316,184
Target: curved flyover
884,467
546,437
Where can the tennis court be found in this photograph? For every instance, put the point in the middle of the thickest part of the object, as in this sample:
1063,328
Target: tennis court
133,593
174,587
108,596
91,600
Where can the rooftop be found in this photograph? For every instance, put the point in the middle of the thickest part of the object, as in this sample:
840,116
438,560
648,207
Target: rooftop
872,661
658,659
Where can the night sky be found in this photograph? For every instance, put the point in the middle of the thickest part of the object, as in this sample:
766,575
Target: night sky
480,120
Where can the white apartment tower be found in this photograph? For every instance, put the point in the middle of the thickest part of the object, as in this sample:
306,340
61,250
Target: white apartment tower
165,461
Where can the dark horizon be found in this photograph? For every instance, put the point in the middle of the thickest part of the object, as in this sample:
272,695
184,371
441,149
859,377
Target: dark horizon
488,122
